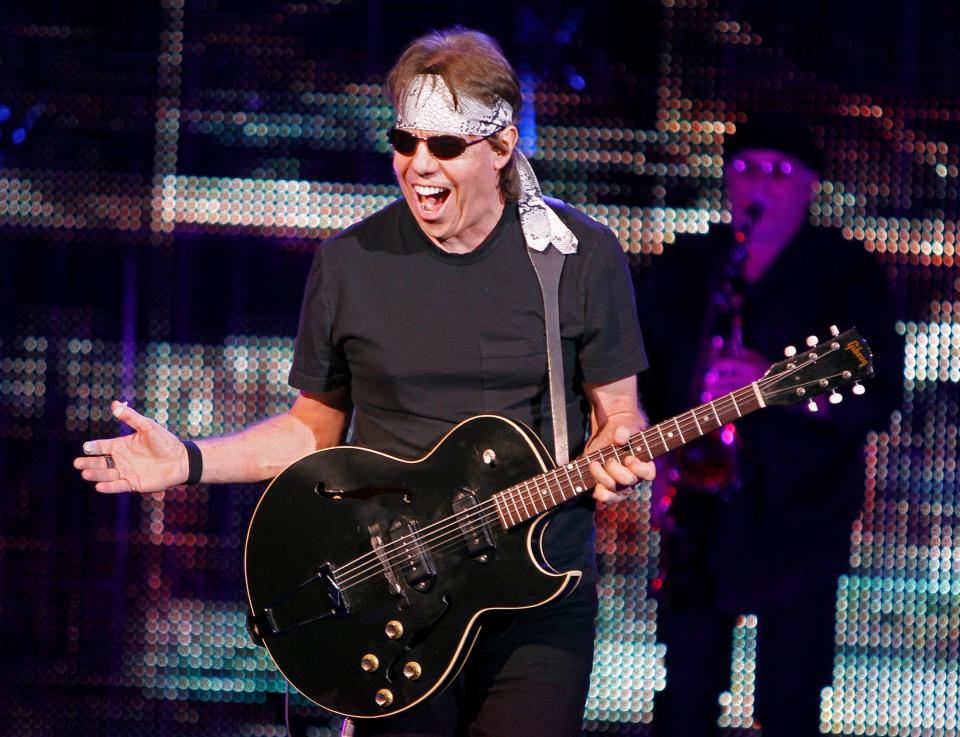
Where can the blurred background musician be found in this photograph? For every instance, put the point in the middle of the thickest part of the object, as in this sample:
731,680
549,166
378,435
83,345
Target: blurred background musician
756,519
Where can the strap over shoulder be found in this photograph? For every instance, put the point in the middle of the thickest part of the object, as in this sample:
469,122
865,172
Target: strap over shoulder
548,264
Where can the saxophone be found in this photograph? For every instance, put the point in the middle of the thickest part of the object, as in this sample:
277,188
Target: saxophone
710,465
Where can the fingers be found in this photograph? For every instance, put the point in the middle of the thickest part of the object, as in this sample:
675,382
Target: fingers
100,474
645,470
602,494
126,414
99,467
117,486
94,463
629,471
611,479
106,479
616,476
612,475
98,464
94,448
96,453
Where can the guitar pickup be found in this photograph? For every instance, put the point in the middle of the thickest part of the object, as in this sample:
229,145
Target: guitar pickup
410,556
473,527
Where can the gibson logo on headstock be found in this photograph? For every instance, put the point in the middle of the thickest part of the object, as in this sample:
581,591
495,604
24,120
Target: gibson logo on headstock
854,347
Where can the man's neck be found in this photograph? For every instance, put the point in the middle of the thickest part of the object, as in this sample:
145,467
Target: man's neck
470,240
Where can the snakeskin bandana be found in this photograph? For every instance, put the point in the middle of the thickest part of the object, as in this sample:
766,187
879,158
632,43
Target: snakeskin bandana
428,105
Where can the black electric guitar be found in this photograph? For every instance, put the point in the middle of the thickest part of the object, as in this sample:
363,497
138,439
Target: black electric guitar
368,576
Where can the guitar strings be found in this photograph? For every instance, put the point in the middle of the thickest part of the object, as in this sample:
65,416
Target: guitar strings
518,494
400,547
438,543
452,527
687,421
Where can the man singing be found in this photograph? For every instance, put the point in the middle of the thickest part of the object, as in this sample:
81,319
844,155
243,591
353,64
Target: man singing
429,312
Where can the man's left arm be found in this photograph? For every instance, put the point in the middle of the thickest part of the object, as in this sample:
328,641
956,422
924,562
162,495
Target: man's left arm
615,417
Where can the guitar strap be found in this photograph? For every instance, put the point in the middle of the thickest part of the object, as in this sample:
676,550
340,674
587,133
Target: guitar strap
548,264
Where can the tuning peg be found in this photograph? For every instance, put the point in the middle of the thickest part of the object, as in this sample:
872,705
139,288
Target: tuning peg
790,351
858,388
834,331
812,340
834,397
812,406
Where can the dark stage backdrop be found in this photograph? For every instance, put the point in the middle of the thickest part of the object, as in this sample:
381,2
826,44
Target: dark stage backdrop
166,169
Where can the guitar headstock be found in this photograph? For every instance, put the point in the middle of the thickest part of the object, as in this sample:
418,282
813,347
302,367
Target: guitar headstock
843,359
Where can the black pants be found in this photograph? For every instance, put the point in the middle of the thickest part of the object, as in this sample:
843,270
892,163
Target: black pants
528,674
794,661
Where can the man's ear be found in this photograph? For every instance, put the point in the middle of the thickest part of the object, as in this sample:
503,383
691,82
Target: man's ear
507,138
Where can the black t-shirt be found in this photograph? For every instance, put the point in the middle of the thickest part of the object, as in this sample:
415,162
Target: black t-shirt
425,339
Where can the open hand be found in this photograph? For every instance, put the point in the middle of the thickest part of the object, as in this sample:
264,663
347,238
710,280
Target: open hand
149,459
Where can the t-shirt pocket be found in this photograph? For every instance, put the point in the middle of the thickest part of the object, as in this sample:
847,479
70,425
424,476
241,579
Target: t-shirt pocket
514,374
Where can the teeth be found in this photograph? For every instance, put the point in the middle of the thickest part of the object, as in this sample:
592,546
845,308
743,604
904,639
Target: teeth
427,191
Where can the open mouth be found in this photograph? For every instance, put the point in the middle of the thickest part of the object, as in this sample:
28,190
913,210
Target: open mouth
431,199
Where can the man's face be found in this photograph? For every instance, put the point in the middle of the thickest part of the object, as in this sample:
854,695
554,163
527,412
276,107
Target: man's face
455,201
769,193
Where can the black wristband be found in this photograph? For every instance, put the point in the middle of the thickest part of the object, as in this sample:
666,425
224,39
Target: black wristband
194,462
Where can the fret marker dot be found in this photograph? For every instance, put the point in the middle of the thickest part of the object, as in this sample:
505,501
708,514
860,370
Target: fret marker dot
579,489
669,434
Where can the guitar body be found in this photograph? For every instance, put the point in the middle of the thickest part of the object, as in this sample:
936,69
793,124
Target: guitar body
353,612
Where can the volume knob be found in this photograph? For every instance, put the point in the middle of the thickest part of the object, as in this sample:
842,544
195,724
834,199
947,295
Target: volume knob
412,670
393,629
384,697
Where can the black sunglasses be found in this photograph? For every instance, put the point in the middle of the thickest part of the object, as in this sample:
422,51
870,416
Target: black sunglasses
441,147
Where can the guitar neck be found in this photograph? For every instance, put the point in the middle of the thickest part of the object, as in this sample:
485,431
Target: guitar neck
526,500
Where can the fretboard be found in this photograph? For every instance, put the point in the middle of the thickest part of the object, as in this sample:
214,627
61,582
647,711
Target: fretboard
523,501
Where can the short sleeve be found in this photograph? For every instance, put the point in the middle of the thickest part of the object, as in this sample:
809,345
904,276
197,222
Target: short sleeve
319,365
612,345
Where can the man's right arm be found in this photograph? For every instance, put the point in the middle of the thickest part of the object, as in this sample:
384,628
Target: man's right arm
153,459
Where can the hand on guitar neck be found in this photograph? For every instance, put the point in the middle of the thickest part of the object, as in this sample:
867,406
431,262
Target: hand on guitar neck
615,480
616,418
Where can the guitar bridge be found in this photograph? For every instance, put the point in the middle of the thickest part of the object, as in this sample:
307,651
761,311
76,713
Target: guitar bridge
272,620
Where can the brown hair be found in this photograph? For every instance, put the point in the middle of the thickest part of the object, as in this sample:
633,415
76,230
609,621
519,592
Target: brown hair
468,61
